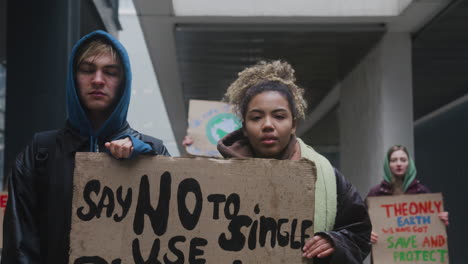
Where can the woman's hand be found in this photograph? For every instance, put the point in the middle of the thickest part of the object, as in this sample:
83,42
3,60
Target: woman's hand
121,148
374,237
187,141
444,216
318,246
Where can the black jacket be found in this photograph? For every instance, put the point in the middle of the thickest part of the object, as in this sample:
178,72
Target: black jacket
38,214
351,232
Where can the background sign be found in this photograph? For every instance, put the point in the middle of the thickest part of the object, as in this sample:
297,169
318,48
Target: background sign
190,210
3,202
409,229
209,121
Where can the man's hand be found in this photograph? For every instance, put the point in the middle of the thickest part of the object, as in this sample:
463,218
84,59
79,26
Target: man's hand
318,247
121,148
374,237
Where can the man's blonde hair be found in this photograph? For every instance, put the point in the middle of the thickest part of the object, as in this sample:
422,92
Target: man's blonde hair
92,48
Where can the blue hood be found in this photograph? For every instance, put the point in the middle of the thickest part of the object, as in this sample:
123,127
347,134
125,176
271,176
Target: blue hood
77,115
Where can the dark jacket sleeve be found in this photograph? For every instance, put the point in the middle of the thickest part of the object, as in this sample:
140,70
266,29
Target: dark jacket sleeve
144,144
156,144
423,188
374,191
351,232
161,149
20,226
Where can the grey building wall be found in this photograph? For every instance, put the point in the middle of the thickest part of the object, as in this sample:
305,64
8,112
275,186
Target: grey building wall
3,19
441,146
376,110
2,118
40,35
147,112
90,19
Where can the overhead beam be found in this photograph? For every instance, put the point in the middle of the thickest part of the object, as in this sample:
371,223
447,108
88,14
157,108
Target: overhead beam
336,8
442,110
416,15
323,108
154,8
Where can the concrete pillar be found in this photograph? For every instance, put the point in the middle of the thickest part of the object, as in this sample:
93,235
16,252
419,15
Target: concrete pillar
40,35
376,110
3,20
147,111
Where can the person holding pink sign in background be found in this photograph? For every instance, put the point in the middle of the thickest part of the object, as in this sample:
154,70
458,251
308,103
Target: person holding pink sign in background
400,178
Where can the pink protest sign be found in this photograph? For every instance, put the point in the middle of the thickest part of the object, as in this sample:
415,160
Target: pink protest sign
409,229
3,202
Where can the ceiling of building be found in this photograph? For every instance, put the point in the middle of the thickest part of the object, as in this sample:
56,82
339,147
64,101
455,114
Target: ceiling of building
209,57
200,57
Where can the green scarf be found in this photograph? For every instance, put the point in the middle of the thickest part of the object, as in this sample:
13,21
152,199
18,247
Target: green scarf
326,203
410,174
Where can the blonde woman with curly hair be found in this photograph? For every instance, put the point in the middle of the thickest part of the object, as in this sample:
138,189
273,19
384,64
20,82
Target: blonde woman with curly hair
269,102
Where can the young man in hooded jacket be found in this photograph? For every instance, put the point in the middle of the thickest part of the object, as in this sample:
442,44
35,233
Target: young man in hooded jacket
38,214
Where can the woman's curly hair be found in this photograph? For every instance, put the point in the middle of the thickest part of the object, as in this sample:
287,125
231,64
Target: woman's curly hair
266,76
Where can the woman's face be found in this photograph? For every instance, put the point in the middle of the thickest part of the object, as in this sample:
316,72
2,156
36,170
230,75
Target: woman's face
269,124
398,163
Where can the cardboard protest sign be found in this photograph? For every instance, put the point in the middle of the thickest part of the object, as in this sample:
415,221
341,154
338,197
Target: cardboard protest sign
3,202
190,210
409,229
209,121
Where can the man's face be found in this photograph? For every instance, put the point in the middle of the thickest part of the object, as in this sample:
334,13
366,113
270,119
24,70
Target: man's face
98,80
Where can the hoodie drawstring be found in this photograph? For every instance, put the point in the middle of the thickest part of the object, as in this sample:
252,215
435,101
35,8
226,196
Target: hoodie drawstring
93,144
